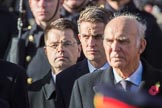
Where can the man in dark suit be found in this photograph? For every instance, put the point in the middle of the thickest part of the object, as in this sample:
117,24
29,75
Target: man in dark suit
123,42
62,49
13,85
91,25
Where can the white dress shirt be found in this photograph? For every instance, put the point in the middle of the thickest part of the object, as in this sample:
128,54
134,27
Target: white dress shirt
54,78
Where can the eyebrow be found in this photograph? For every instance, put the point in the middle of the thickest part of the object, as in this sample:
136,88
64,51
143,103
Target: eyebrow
92,35
122,38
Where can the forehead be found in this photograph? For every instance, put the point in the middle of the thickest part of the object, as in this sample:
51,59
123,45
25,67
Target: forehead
55,35
88,27
121,27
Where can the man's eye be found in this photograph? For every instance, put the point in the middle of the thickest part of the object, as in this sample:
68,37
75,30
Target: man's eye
123,41
109,41
98,37
85,36
54,45
67,43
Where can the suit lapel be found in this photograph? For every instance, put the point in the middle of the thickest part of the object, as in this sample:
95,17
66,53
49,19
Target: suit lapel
149,77
49,87
104,78
83,67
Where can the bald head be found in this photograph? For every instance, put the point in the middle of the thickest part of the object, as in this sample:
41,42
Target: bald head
127,23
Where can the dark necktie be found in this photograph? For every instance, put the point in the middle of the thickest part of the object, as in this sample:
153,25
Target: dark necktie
125,85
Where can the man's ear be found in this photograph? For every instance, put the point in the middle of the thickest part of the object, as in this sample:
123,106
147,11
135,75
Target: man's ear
79,36
79,50
142,46
45,50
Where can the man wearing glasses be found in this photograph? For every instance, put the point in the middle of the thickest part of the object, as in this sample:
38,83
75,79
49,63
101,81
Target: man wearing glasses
62,50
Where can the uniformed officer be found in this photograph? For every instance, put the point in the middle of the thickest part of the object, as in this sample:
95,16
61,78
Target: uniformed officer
44,12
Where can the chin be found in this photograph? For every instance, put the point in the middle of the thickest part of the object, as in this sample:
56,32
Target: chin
117,65
91,58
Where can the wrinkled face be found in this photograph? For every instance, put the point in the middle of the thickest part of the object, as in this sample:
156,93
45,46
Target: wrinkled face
61,48
43,10
91,40
121,44
73,3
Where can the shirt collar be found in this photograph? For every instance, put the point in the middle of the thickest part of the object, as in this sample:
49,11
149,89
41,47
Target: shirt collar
135,78
92,68
53,77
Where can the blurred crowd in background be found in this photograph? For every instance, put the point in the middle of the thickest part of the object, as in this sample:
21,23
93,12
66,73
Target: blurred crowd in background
152,6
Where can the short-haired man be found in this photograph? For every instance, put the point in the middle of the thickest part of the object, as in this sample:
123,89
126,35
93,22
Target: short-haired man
91,26
62,49
123,42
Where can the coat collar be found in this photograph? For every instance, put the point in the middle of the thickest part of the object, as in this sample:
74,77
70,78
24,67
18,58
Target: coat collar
83,66
48,87
104,77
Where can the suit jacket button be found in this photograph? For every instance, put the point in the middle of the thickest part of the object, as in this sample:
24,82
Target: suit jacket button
28,58
29,27
31,38
29,80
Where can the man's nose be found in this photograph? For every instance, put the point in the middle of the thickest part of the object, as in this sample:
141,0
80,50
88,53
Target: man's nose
115,46
60,47
91,41
42,3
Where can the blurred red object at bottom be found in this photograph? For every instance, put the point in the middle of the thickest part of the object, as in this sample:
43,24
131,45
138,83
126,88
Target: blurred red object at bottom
108,102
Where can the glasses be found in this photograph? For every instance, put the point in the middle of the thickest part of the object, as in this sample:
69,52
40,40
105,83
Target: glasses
64,44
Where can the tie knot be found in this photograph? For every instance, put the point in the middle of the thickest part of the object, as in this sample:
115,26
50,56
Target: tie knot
125,85
96,70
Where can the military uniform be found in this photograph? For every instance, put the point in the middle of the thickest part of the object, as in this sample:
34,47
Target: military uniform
33,40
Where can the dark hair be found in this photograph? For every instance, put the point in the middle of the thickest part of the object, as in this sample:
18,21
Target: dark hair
61,24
